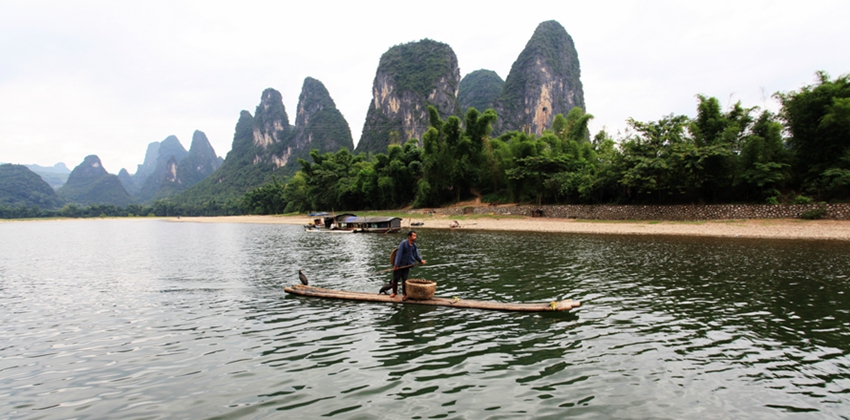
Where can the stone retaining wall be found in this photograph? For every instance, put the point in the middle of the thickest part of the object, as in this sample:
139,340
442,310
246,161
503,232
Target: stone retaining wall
678,212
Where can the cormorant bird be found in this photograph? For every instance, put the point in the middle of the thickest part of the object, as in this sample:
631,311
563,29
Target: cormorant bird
302,277
385,288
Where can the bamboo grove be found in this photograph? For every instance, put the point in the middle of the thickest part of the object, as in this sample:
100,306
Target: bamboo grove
738,155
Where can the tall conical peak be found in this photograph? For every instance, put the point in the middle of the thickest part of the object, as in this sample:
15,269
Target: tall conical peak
544,81
201,144
201,161
171,146
410,77
271,124
90,168
314,97
318,124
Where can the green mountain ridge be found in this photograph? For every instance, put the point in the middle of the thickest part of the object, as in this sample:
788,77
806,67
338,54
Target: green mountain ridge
89,183
266,146
20,186
479,90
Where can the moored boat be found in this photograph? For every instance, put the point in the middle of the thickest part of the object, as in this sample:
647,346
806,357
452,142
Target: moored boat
314,229
373,224
330,224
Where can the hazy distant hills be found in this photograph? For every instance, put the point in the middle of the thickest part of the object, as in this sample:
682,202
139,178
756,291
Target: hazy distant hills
544,81
169,169
55,175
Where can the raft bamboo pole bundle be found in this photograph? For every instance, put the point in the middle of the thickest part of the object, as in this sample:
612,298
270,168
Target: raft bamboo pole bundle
564,305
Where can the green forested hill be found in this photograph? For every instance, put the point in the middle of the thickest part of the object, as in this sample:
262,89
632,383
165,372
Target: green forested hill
89,183
479,90
318,124
410,78
19,186
549,63
266,146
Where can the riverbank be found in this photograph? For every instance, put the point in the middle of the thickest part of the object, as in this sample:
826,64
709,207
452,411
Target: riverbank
750,228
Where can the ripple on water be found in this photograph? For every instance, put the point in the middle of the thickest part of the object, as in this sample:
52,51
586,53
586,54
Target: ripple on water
143,318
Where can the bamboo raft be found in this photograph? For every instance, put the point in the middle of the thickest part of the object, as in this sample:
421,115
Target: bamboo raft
564,305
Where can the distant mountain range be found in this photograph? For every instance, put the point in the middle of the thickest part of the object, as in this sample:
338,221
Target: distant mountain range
544,81
169,169
55,175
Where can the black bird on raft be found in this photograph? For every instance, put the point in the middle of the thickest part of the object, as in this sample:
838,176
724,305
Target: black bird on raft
302,277
385,289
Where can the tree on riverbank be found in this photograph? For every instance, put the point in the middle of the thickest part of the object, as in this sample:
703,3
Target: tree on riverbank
736,155
818,118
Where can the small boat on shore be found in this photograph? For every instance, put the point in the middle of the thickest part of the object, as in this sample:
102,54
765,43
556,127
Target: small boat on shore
324,223
374,224
350,223
310,291
315,229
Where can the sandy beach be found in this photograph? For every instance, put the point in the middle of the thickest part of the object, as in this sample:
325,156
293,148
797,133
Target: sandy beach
762,228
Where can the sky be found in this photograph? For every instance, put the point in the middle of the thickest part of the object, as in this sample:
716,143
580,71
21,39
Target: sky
107,78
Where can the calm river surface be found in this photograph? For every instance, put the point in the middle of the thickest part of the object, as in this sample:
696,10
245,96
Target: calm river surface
153,319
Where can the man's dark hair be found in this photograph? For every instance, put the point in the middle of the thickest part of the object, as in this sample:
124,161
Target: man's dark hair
410,233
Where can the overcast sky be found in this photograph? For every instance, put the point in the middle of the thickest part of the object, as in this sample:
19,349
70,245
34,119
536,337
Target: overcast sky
107,78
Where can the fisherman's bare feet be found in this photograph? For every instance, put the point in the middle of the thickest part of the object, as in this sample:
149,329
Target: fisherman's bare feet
403,297
392,295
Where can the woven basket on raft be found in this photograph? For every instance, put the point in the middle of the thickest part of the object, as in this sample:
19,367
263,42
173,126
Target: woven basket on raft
420,289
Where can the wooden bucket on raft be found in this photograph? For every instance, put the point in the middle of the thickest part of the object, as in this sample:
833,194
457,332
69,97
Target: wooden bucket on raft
417,289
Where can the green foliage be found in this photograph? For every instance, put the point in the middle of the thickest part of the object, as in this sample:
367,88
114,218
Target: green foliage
818,117
814,214
106,189
801,199
415,70
417,66
73,211
764,162
453,159
658,162
266,199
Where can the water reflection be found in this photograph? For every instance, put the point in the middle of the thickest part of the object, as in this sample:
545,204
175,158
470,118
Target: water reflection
154,319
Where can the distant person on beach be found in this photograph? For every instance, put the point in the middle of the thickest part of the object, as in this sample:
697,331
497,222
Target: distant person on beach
406,256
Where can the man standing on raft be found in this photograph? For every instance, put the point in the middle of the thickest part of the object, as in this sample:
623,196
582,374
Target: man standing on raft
406,256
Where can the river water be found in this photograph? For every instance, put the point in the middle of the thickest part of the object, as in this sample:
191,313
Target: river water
147,319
